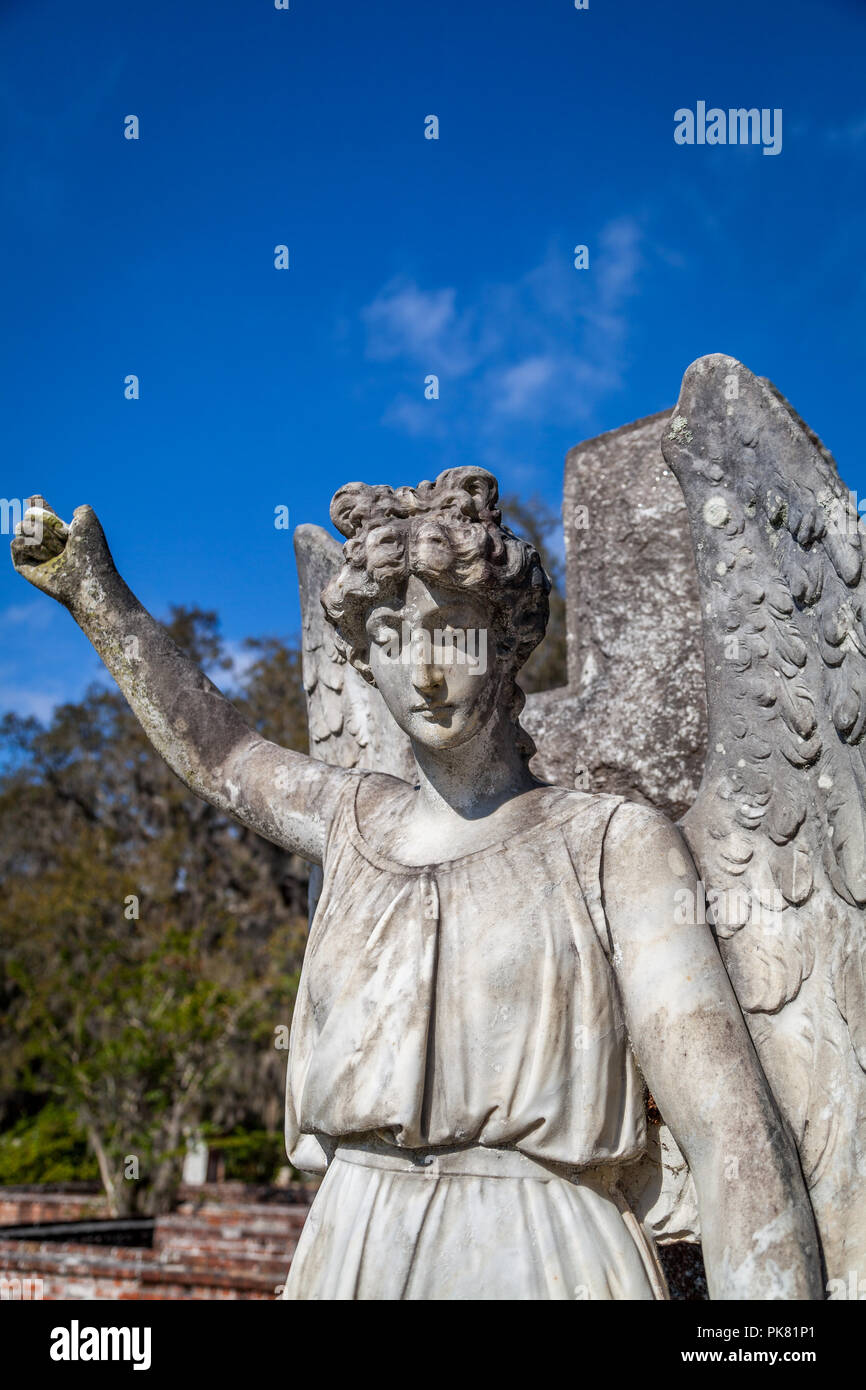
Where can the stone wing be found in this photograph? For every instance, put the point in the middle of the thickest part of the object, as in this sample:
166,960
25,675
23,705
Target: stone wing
778,827
349,724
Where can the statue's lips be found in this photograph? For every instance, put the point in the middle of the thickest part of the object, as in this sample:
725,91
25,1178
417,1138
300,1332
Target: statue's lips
433,713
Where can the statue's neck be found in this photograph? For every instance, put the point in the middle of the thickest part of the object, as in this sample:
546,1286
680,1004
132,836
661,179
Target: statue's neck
476,777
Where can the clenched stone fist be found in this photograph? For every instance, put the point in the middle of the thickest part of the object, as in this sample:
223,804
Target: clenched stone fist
67,562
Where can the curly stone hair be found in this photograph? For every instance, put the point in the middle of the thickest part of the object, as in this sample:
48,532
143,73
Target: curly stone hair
450,533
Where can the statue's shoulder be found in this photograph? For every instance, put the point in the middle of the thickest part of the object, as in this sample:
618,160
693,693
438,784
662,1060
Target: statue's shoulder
624,825
642,843
598,804
381,800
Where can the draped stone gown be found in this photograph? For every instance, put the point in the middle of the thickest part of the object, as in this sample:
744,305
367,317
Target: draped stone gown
459,1069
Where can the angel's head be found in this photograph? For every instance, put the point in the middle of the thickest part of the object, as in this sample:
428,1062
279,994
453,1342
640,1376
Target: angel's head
437,603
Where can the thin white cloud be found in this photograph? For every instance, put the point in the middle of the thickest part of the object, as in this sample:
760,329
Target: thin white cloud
415,417
38,703
37,614
551,344
422,325
851,134
618,262
543,386
523,384
242,657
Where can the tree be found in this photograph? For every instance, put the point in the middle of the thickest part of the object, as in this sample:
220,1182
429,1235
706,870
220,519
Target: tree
535,521
151,946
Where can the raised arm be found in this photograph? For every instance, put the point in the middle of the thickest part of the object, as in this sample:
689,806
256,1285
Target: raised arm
285,796
692,1044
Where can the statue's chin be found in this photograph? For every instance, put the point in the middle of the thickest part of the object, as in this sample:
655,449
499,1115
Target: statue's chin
445,728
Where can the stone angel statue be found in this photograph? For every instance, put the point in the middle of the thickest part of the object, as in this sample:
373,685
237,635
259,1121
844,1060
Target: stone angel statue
498,967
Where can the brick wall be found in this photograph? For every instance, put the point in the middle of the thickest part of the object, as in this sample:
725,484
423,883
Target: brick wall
224,1241
206,1249
25,1204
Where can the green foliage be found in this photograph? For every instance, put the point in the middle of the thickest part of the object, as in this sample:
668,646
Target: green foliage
251,1155
48,1147
150,946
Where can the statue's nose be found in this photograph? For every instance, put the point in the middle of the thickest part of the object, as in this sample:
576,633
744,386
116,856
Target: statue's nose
426,674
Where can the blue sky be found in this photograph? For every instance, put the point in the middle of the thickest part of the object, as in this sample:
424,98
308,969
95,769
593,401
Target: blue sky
261,388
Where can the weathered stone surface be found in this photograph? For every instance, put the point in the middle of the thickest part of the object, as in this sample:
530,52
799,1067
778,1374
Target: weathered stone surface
349,724
496,964
633,719
779,824
774,808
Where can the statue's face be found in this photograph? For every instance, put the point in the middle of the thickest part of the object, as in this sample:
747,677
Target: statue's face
434,660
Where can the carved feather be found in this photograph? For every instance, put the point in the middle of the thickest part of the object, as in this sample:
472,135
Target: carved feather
349,725
782,805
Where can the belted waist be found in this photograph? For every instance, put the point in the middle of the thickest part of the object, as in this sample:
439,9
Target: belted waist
463,1160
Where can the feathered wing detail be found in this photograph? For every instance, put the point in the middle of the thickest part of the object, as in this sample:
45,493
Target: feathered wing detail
778,828
349,724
